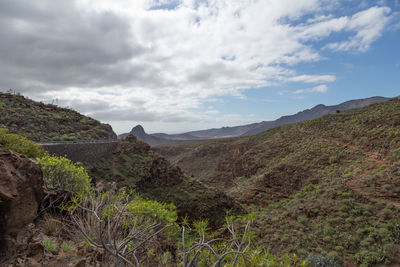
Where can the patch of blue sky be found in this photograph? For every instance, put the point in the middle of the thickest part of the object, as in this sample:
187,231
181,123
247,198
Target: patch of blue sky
165,5
375,72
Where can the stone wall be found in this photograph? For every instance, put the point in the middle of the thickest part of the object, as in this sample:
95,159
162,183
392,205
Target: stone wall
84,152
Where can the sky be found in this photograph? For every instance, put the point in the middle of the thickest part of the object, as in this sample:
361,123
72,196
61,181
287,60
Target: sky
180,65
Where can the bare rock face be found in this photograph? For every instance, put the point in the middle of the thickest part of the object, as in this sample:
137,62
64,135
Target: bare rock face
21,190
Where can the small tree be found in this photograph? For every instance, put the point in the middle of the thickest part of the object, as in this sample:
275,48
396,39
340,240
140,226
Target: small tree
216,251
122,224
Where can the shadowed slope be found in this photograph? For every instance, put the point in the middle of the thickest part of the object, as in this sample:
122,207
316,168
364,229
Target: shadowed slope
134,165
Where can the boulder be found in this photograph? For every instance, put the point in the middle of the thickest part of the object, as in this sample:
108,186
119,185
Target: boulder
21,190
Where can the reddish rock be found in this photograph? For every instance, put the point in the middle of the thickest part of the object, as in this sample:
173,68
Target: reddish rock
21,190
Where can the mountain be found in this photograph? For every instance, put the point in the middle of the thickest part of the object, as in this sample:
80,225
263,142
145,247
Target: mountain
177,137
329,185
46,122
157,139
139,133
315,112
160,139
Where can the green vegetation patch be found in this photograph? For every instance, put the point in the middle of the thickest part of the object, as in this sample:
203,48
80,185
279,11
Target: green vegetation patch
46,122
20,144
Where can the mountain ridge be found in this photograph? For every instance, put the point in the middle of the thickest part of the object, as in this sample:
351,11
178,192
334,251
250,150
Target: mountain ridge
159,139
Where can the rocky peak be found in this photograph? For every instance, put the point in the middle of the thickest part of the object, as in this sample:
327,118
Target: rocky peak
138,130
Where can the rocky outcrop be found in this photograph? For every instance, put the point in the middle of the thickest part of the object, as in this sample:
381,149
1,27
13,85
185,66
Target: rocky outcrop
21,190
140,134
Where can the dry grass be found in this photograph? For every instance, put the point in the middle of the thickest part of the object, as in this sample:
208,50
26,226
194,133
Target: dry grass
52,226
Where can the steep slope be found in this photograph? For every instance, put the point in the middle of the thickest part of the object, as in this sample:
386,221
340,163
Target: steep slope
228,159
329,185
41,122
134,165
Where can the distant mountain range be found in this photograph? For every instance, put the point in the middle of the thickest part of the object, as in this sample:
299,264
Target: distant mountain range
159,139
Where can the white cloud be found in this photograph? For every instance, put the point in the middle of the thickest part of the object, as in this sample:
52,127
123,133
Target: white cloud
123,60
317,89
312,78
367,25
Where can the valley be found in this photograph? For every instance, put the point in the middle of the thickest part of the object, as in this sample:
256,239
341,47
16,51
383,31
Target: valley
326,189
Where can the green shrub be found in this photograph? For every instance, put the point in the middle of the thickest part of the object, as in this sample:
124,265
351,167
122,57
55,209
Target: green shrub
49,245
62,173
369,257
321,261
20,144
125,219
66,247
334,159
159,211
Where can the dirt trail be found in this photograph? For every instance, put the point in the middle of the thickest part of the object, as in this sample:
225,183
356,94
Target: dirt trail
357,185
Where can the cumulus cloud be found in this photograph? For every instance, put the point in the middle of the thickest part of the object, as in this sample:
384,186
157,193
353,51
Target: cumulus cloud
159,60
367,25
317,89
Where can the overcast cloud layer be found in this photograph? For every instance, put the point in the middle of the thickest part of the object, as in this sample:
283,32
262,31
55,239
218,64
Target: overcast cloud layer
142,61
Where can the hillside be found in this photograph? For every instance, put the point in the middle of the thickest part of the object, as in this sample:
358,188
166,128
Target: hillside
134,165
46,122
329,185
308,114
160,139
315,112
52,215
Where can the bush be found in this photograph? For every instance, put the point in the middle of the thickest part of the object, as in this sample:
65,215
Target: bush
20,144
124,225
50,245
62,173
66,247
321,261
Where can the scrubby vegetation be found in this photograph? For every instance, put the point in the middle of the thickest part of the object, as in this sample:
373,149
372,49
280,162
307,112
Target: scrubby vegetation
134,165
47,122
324,192
129,229
20,144
62,173
326,186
